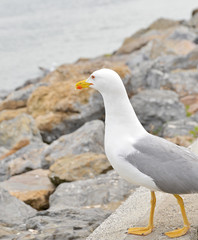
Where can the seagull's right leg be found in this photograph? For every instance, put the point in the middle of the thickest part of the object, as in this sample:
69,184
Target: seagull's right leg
149,228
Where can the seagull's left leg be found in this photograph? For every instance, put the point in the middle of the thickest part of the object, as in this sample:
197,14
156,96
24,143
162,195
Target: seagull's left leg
181,231
149,228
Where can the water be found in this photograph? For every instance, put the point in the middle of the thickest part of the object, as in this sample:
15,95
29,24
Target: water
48,33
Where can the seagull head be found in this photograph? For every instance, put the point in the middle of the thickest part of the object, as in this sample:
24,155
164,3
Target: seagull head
103,80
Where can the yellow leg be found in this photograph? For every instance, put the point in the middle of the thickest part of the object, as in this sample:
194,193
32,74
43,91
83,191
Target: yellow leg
181,231
146,230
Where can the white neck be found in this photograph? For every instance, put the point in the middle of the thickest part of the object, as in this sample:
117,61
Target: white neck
120,116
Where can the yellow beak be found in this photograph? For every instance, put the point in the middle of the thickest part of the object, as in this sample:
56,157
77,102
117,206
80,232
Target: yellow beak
83,84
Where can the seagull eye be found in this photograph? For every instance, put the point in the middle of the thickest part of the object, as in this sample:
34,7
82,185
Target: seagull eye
92,76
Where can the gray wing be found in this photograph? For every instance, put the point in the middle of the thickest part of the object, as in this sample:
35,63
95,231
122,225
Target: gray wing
174,169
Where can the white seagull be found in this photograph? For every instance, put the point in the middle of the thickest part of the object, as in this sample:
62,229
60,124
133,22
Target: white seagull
139,157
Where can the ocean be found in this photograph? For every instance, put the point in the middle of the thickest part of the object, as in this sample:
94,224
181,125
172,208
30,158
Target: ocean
48,33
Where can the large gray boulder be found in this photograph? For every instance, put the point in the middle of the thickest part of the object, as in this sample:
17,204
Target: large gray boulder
155,107
13,211
104,189
88,138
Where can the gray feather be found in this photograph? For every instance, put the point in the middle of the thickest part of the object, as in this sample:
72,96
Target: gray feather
174,169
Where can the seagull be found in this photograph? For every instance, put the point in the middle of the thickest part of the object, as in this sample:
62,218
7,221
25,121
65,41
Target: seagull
138,156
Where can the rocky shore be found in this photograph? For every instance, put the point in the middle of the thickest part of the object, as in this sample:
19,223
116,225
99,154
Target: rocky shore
56,182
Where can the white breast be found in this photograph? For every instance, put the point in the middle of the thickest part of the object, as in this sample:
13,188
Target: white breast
125,169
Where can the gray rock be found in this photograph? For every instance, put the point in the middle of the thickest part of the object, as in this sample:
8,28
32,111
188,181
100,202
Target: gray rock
188,61
180,127
88,138
138,57
159,73
195,117
22,127
155,107
25,159
102,190
183,82
13,211
183,32
3,150
66,224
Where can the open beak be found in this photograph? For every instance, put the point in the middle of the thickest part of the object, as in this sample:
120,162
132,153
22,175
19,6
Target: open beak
83,84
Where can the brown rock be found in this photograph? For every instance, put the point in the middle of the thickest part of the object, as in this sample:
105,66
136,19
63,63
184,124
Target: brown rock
158,30
18,98
18,146
10,114
78,167
195,11
33,188
137,41
172,47
59,108
191,103
163,23
194,20
184,141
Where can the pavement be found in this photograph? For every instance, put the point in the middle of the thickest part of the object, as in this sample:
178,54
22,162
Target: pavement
134,212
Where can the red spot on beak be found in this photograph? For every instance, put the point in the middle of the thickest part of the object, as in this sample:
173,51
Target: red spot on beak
79,87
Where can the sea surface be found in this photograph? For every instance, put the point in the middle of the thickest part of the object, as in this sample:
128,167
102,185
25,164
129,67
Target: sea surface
47,33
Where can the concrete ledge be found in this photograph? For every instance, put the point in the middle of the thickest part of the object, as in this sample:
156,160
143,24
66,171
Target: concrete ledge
135,212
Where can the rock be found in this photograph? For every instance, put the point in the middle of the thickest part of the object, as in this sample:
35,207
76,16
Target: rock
66,224
194,20
136,58
190,61
25,159
191,103
11,113
155,107
184,141
137,41
160,29
166,72
88,138
17,147
183,82
59,108
183,33
163,24
13,211
78,167
3,94
99,191
3,151
7,233
17,129
171,47
33,188
180,127
18,98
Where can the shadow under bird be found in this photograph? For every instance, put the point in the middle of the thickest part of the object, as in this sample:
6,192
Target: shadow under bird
139,157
